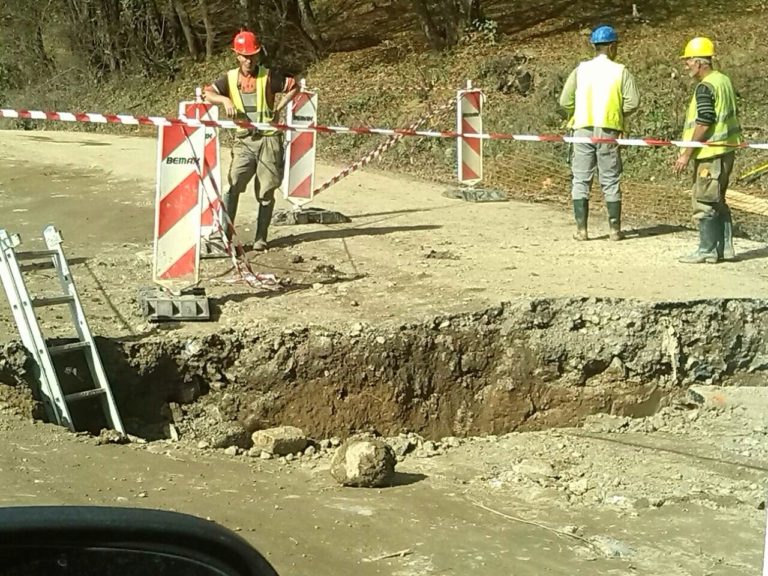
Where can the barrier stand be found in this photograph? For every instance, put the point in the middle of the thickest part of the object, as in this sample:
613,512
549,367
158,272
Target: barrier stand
214,242
469,150
299,170
178,217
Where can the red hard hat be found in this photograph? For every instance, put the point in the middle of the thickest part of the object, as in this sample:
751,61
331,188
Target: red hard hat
246,43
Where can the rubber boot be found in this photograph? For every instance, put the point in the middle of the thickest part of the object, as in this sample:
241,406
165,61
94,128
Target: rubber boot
262,225
614,220
581,213
710,233
725,249
229,202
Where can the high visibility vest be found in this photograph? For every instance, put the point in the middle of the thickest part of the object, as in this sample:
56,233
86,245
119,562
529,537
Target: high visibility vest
599,100
251,105
726,129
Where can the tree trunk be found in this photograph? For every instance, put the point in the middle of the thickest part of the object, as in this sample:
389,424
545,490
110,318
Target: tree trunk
455,19
253,16
310,24
186,26
292,15
428,25
210,34
475,11
40,51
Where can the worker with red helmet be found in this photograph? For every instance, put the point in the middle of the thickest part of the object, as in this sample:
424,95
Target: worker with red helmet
249,92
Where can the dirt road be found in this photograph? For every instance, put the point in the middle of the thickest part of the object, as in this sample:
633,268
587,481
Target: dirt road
408,253
611,499
677,493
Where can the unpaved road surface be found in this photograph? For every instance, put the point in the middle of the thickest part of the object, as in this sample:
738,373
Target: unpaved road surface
409,252
678,493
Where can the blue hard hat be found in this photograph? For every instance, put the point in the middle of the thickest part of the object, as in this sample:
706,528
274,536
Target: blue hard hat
604,35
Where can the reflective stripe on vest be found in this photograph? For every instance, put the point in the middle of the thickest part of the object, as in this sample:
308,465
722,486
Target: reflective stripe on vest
726,128
599,101
251,105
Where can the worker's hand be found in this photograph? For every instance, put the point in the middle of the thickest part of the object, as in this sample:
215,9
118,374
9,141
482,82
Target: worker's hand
682,162
229,107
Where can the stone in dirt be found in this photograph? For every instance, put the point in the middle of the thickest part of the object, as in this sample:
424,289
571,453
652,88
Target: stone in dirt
280,441
226,434
364,463
107,436
606,423
402,445
536,470
611,548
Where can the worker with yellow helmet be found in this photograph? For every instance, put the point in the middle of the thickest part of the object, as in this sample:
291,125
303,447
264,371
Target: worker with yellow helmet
712,118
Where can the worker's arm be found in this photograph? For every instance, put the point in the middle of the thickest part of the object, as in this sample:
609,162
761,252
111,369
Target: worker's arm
568,95
288,89
705,117
218,93
630,93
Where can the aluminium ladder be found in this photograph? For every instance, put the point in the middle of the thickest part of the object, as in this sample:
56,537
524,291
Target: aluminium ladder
23,307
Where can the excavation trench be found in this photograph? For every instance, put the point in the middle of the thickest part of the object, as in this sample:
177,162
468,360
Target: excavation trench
525,365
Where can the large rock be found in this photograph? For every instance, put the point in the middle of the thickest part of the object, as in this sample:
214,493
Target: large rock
364,463
280,441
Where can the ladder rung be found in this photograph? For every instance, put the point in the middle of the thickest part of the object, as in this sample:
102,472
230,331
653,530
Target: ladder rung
64,348
52,300
35,254
85,394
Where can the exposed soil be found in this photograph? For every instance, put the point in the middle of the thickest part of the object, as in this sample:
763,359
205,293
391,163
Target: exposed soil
678,493
392,323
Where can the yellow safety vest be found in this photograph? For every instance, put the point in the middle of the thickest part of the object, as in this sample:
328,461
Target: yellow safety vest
726,129
252,105
599,100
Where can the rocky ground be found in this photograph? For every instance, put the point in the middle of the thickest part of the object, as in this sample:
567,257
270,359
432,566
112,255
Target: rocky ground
681,492
393,323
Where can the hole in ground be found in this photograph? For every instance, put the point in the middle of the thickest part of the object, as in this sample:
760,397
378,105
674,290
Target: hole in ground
525,365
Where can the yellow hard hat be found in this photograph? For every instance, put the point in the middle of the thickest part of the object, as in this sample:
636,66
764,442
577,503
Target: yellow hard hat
699,47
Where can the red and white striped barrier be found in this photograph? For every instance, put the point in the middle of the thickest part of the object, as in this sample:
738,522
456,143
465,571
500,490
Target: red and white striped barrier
231,124
211,219
469,123
177,207
299,173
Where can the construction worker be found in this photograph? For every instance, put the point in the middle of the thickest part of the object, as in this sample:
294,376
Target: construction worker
712,117
598,95
248,92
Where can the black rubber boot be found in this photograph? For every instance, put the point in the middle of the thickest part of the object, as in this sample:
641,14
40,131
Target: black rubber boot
229,202
262,225
614,220
581,213
710,233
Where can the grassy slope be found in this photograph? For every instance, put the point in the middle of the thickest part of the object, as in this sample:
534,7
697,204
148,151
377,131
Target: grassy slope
395,81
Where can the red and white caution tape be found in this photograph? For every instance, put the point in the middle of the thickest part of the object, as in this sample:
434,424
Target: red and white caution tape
243,272
231,124
383,147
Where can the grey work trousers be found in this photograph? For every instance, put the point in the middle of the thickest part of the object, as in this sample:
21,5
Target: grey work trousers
605,158
260,156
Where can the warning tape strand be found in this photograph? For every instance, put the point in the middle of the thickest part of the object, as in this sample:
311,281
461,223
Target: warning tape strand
383,147
232,246
233,124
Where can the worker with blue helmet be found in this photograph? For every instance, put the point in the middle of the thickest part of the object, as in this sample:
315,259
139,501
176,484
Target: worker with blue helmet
603,35
597,96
